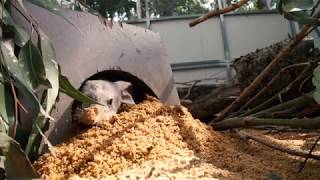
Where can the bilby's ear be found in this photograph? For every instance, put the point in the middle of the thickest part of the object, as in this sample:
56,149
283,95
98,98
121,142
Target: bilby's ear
124,86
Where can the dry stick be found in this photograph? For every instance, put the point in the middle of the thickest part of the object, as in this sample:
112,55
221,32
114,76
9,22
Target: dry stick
218,12
299,103
261,118
265,89
250,122
267,103
265,73
275,146
15,123
190,89
309,154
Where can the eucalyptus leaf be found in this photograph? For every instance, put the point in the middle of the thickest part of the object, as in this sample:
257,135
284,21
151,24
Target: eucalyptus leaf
34,139
21,81
6,108
51,94
296,5
67,88
302,17
52,6
16,164
51,70
78,6
32,65
10,62
316,96
20,35
316,83
279,6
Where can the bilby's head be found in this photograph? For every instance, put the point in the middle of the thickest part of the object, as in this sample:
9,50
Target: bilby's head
109,95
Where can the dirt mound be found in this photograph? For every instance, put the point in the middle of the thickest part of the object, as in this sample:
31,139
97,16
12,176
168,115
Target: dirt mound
152,140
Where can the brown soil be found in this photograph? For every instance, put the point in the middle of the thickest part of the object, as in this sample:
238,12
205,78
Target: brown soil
151,140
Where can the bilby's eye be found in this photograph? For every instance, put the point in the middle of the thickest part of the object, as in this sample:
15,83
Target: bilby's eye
109,102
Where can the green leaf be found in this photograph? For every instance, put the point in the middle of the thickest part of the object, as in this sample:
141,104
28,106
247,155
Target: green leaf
52,6
78,6
316,96
52,75
47,4
34,140
296,5
12,65
279,6
51,70
301,17
316,83
31,63
67,88
20,35
16,164
6,108
22,83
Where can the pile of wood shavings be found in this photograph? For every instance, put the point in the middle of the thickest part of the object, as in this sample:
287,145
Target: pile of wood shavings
151,140
90,116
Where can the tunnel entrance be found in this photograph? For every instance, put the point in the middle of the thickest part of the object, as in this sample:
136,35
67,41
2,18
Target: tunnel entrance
139,88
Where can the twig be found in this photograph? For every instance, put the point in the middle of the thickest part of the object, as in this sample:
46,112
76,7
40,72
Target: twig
265,73
15,123
309,154
267,87
211,77
304,82
275,97
190,89
150,172
275,146
298,103
218,12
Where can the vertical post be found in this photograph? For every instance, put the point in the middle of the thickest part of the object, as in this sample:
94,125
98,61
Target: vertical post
226,48
138,7
147,14
294,28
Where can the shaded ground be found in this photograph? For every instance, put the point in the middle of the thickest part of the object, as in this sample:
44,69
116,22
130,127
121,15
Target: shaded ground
153,141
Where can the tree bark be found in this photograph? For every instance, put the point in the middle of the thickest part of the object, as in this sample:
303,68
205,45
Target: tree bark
207,106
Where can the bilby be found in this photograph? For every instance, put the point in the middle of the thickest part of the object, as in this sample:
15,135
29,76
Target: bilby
109,95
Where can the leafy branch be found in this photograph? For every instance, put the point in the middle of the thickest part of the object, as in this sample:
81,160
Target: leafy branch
28,69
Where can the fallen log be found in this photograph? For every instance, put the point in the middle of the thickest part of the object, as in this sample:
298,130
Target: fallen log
207,106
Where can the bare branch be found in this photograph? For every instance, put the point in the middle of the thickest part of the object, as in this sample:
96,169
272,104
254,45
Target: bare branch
218,12
273,145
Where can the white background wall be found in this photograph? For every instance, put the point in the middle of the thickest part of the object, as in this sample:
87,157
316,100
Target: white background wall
245,33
